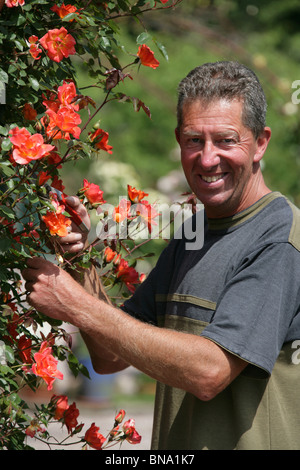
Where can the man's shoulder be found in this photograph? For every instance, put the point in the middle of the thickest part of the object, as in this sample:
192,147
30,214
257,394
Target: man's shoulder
283,217
294,235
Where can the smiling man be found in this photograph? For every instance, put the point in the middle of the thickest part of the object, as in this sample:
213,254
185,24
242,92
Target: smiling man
217,326
220,156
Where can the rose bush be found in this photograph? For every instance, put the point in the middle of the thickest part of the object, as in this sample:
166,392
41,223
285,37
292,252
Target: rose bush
42,128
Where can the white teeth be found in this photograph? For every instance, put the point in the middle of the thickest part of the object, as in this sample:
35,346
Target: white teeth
210,179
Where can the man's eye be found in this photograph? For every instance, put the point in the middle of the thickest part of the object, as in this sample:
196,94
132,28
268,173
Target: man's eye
227,141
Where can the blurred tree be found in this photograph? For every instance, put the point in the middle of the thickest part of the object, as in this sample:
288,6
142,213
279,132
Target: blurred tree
262,34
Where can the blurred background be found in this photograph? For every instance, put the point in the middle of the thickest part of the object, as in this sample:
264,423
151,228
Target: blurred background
262,34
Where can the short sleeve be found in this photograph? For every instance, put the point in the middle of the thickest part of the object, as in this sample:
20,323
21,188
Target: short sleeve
258,305
142,304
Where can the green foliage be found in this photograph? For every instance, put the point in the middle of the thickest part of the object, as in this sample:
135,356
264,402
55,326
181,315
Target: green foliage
261,34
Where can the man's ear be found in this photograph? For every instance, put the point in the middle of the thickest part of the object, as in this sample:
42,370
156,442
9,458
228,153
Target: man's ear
177,135
262,143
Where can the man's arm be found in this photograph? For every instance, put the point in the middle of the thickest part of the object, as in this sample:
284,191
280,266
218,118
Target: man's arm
179,359
88,278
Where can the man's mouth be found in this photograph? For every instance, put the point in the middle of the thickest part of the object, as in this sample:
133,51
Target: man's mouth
212,179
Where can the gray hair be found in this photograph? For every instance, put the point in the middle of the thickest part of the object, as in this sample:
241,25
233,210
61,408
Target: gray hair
226,80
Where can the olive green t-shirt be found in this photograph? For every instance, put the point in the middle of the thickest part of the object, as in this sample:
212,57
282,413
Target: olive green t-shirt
242,291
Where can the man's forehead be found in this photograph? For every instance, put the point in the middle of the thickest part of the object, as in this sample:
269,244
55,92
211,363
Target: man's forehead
189,131
215,104
221,114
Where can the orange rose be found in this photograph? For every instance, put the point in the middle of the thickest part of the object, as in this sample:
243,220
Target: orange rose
135,195
34,49
28,147
120,416
59,44
67,94
127,274
100,137
147,212
92,192
64,10
130,432
29,112
70,417
33,428
63,123
61,402
122,210
24,349
146,57
57,223
46,365
109,254
94,438
14,3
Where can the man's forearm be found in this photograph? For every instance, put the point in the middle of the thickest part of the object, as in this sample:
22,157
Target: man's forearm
103,360
175,358
89,279
179,359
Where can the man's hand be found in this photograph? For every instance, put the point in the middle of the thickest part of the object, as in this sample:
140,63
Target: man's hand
76,240
52,291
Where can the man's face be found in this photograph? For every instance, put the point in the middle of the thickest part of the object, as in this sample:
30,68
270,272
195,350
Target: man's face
220,156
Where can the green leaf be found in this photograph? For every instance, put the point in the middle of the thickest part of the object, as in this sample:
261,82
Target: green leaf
3,130
4,370
5,245
162,50
143,38
9,354
7,212
4,274
34,83
3,76
7,170
21,20
6,145
76,366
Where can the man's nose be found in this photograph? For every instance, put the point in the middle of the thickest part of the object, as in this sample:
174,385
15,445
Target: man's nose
208,155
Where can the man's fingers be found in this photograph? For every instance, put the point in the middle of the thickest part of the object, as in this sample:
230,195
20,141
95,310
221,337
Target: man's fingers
35,262
29,286
37,266
28,274
73,201
72,247
73,237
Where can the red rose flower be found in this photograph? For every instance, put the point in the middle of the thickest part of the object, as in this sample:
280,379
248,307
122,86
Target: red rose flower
46,365
146,57
131,433
57,223
92,192
27,147
135,195
70,417
62,405
94,438
127,274
59,44
100,138
64,10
